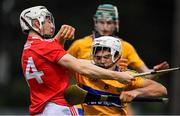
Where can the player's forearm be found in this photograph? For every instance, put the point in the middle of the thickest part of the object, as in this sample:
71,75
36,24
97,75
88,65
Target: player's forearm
154,89
61,41
90,70
93,71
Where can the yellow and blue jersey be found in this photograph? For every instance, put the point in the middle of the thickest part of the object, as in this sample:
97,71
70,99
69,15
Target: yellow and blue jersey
81,48
106,87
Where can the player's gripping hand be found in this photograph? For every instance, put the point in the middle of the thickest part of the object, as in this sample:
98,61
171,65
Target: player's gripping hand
123,64
124,77
161,66
127,96
67,32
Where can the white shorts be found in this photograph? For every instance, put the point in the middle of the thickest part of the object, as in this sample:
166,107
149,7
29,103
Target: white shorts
55,109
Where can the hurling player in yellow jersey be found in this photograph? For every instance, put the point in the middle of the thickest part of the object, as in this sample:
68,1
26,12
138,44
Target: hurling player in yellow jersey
106,51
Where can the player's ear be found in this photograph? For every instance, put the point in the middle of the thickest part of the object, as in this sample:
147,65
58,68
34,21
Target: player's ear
36,24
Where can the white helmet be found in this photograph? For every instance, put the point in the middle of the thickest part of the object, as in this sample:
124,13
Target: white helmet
114,44
29,14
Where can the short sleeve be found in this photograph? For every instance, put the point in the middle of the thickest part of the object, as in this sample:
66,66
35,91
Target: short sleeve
50,50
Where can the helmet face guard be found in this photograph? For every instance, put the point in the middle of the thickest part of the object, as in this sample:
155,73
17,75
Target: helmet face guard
107,12
39,13
112,44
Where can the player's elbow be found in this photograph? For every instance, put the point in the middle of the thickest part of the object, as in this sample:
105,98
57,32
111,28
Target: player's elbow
163,90
158,89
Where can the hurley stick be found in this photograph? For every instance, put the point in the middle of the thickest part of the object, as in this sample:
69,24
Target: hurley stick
75,95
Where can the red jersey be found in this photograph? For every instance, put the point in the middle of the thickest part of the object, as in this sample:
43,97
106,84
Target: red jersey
46,79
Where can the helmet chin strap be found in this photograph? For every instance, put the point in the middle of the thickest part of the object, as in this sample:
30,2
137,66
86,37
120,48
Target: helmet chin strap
45,36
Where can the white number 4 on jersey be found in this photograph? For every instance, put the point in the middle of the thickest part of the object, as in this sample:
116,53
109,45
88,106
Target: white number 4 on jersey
34,72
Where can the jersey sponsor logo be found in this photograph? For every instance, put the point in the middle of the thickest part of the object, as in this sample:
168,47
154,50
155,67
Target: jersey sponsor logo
106,103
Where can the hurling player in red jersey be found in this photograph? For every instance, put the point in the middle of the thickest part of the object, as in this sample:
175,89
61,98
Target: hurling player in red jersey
46,64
